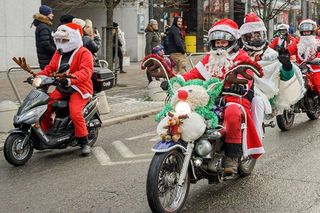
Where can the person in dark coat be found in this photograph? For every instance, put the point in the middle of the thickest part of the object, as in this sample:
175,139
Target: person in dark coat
176,47
153,37
44,42
116,33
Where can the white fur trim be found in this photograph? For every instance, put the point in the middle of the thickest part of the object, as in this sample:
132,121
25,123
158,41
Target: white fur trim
180,76
84,96
234,32
283,27
252,27
203,71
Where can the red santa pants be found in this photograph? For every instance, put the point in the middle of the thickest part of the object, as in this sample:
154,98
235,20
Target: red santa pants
232,123
76,105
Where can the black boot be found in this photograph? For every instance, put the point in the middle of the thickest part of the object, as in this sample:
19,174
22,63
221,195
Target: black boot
85,147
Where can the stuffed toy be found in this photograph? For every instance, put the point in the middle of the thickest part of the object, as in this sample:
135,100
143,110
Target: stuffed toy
200,95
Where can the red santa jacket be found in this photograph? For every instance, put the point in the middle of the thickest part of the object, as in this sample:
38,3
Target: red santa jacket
299,59
81,66
291,43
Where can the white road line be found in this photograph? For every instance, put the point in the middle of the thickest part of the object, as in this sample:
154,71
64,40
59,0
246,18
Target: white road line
123,149
127,162
143,135
155,138
145,155
101,156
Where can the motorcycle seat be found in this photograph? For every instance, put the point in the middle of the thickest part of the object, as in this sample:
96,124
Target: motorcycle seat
60,104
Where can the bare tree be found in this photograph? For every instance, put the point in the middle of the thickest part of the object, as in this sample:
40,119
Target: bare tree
269,9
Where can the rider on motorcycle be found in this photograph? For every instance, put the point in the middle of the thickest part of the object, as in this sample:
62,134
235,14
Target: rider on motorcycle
308,49
224,53
278,88
284,40
77,89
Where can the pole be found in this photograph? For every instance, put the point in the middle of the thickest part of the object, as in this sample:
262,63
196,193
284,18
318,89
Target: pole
150,9
248,6
231,9
304,9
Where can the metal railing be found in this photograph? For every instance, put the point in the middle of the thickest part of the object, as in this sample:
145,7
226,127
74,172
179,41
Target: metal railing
194,54
15,90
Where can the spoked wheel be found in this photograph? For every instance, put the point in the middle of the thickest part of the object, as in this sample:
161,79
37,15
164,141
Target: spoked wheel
164,194
314,113
285,120
246,166
14,151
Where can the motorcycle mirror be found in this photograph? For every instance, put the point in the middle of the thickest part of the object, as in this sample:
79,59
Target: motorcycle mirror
63,68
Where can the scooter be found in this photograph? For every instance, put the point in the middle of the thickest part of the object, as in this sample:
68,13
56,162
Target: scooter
28,134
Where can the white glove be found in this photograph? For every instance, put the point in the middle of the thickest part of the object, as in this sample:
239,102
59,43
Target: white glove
36,82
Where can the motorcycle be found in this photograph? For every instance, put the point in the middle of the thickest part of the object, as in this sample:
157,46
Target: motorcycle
177,164
28,134
309,104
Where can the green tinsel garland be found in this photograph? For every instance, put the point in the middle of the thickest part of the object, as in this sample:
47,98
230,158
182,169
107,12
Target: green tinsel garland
207,111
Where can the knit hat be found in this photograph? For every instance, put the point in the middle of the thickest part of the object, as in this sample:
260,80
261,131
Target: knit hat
45,10
153,22
79,21
115,24
67,18
226,25
157,49
252,23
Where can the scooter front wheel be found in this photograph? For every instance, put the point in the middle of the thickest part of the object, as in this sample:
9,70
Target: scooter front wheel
15,152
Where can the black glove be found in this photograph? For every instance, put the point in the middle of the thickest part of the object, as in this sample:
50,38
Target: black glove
284,58
64,82
239,89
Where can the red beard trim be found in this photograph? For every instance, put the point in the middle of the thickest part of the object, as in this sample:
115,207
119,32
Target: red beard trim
154,58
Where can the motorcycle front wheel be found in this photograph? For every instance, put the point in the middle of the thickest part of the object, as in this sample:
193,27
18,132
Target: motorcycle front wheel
163,193
13,151
285,120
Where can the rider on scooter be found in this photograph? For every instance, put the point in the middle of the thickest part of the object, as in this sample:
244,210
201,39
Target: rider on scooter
224,53
78,89
282,83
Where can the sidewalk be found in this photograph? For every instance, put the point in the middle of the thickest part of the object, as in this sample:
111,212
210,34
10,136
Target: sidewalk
127,101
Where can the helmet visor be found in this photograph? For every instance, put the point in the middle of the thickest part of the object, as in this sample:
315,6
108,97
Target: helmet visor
255,39
307,27
221,35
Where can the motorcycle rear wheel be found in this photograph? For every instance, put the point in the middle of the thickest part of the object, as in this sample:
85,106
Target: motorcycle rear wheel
314,115
285,120
14,153
162,182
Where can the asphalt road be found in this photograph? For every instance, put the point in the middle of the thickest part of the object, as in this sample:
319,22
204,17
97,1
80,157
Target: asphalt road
113,178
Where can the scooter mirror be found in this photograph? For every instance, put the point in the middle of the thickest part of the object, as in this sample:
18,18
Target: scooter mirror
63,68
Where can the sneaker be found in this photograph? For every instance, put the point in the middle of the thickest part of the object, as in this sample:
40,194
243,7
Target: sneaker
85,150
231,165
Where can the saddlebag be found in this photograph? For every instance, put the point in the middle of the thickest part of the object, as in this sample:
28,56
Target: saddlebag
102,79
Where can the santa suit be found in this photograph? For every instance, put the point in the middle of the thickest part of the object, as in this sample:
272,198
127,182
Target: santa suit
283,88
236,108
290,43
81,66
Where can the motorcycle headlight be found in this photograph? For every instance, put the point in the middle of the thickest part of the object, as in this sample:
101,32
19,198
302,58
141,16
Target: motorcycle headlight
183,108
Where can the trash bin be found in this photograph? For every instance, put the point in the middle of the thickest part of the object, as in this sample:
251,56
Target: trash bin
7,111
191,43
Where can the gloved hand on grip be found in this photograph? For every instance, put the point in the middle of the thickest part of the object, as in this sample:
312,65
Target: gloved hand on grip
63,82
239,89
284,58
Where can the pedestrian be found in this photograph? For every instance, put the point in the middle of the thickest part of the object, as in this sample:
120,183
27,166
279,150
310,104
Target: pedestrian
153,37
91,40
176,47
44,41
117,33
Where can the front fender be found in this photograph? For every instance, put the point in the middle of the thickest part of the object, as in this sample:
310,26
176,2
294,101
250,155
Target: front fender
166,146
18,130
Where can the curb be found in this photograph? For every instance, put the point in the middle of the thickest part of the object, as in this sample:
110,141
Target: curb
121,119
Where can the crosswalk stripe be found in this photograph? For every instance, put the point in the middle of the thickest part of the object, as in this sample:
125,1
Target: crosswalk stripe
127,162
123,149
155,138
101,155
147,134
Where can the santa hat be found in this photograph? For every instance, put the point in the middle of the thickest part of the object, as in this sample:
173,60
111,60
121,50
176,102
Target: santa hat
79,22
252,23
308,21
75,27
226,25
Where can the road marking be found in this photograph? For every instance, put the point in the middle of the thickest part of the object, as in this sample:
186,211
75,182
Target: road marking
101,155
123,149
127,162
147,134
155,138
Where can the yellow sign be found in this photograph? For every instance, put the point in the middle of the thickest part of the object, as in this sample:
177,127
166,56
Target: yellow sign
191,43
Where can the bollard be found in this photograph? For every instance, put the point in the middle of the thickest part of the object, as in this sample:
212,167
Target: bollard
103,105
7,110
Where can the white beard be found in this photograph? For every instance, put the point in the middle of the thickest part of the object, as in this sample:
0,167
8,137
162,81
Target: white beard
218,60
307,47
